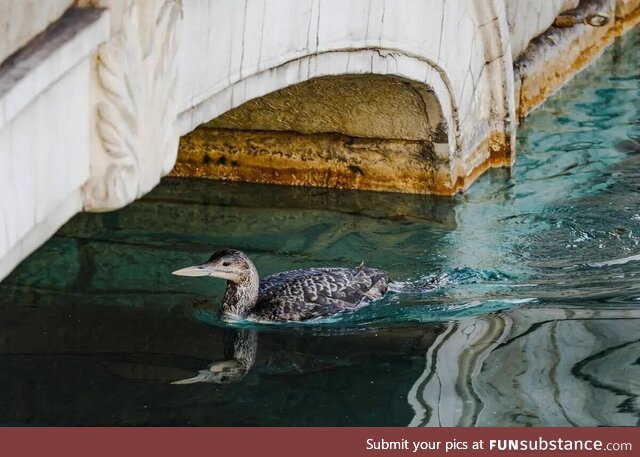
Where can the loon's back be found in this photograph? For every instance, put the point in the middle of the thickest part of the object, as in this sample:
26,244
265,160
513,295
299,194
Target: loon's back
300,295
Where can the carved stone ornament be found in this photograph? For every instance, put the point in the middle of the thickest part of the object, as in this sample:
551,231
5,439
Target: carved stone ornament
135,142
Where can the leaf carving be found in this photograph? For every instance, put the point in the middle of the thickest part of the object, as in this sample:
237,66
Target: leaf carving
136,112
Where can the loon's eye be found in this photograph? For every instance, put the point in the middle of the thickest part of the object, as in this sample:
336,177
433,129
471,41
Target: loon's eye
225,264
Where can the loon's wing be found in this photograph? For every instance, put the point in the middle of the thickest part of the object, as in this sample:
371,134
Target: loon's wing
317,292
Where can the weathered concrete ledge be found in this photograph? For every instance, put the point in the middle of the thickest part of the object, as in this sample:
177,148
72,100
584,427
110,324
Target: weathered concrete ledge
567,47
327,160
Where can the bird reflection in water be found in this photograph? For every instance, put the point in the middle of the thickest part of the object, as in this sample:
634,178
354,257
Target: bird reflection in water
240,348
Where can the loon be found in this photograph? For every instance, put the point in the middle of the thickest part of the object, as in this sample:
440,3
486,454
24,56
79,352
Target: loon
297,295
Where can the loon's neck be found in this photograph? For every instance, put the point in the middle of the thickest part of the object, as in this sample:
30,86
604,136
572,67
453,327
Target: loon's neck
240,297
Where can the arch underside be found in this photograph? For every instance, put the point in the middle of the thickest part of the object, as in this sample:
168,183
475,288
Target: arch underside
363,119
353,131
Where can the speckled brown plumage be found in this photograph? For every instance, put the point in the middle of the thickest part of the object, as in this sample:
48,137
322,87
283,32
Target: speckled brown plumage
317,292
296,295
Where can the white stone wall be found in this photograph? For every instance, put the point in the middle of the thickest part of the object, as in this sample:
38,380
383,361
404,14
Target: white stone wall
22,20
45,125
529,18
44,156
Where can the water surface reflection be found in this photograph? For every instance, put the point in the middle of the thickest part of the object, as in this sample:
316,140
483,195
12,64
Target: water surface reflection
533,367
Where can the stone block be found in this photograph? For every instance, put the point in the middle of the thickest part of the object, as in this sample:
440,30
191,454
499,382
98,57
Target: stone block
21,21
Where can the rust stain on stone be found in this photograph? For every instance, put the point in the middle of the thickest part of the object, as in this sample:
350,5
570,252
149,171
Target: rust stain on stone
500,155
329,160
319,160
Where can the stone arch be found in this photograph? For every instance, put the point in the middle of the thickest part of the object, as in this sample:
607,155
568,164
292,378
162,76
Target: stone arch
373,119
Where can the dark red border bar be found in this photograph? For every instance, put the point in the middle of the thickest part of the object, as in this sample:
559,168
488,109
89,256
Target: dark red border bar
307,442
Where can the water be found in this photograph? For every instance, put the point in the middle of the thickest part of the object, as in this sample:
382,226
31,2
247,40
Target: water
537,321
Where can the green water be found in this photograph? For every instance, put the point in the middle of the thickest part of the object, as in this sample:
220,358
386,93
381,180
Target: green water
537,323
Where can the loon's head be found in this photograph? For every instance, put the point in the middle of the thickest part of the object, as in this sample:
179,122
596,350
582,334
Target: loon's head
229,264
